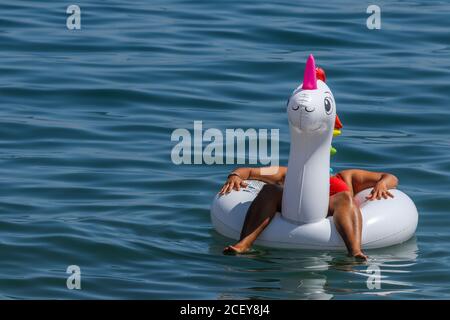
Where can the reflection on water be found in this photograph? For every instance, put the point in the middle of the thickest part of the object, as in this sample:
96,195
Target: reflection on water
305,274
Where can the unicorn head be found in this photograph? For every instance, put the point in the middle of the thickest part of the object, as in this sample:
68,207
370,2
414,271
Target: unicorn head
311,107
311,113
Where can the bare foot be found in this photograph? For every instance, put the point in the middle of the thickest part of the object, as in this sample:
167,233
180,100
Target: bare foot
359,255
236,249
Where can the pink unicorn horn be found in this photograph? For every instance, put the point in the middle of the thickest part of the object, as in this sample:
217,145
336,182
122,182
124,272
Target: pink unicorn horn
309,79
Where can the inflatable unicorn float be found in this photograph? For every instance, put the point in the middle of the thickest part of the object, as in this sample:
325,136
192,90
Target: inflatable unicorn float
303,222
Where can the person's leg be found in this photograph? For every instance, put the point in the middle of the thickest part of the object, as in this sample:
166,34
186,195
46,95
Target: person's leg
348,220
259,214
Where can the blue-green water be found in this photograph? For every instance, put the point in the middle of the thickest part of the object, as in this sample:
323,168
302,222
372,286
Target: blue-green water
86,115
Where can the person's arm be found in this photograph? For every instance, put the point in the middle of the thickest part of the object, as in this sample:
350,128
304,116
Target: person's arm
381,182
236,178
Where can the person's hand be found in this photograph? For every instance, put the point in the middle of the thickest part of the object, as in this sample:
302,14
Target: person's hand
233,182
379,191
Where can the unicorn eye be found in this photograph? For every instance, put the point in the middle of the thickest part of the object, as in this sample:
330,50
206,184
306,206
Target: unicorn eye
328,105
295,108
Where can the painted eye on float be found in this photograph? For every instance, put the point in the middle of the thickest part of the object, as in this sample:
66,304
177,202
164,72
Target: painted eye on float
328,103
295,108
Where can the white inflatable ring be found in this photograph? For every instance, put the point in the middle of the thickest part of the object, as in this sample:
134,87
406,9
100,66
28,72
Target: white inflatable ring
303,222
385,222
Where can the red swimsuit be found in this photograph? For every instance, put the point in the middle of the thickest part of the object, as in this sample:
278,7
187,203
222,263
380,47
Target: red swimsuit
337,184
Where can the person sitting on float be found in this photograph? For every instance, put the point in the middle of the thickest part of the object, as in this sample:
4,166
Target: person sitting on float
342,205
